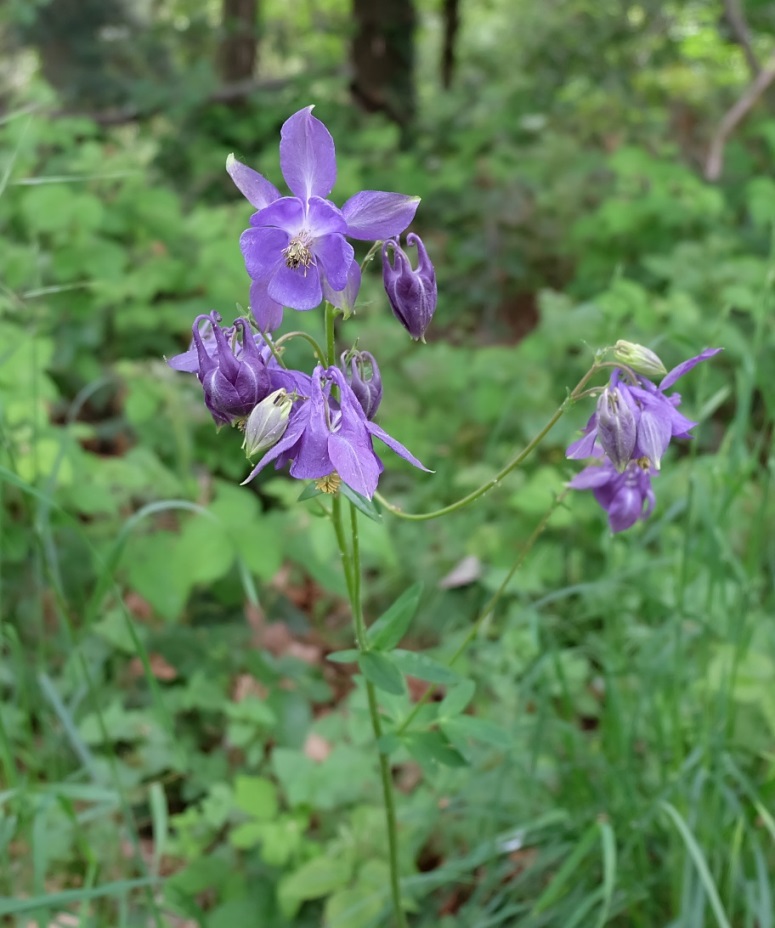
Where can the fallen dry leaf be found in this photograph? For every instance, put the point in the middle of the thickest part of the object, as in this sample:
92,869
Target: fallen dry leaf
316,747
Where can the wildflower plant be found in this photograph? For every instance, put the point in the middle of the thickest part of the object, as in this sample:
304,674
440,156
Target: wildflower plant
320,422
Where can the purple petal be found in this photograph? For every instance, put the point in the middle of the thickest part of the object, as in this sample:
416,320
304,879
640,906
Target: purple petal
356,464
298,288
267,312
583,447
262,250
287,214
312,458
188,361
373,214
307,155
625,509
324,218
335,256
345,299
682,368
292,381
396,446
654,434
255,188
591,478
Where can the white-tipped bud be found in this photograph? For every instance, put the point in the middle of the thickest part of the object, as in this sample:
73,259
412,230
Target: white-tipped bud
641,360
267,423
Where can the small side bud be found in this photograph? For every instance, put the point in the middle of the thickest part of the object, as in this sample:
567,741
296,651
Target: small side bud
267,423
412,293
641,360
364,378
616,427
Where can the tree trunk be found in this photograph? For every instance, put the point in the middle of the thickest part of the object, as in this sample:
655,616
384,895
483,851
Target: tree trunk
383,60
451,14
238,49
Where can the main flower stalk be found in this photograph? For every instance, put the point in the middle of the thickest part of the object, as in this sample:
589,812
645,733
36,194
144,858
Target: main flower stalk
351,565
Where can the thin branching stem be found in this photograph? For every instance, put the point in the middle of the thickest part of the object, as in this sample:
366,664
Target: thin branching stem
504,471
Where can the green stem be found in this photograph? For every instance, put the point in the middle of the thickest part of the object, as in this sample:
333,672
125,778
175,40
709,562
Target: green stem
319,354
352,571
351,564
330,335
489,608
273,348
504,471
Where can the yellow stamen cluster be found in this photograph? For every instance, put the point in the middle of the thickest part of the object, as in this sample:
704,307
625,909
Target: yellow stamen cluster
329,484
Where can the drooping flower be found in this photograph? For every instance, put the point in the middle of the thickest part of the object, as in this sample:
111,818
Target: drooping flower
630,431
412,293
296,248
233,372
326,435
616,426
655,414
625,495
364,378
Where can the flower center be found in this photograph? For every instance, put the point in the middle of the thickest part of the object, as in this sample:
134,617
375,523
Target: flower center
298,253
329,484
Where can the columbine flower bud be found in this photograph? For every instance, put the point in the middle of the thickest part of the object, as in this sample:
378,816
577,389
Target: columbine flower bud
267,423
412,293
364,378
641,360
616,426
234,377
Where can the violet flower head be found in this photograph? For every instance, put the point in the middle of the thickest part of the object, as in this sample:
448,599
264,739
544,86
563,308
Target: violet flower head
233,373
360,369
296,250
631,429
326,436
656,416
625,495
412,293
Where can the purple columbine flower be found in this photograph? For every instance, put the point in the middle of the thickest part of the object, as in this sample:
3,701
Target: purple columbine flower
412,293
655,414
326,436
234,374
364,378
626,496
296,249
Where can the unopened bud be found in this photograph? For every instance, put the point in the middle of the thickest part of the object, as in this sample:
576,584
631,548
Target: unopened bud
267,423
616,427
412,293
641,360
364,378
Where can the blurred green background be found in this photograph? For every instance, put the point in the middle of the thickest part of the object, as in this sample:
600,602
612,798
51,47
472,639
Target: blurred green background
174,748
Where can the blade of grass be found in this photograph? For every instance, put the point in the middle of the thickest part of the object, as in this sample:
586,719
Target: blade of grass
698,858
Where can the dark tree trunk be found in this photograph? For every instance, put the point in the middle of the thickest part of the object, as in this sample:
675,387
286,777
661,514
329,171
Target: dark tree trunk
238,49
451,14
383,60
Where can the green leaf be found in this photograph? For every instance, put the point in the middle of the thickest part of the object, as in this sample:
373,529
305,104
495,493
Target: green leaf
309,492
256,796
361,503
468,726
423,667
379,670
318,877
391,627
432,747
344,657
457,699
